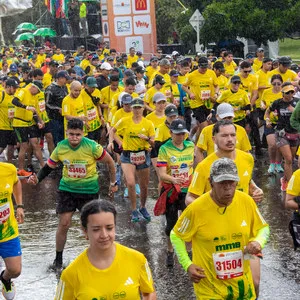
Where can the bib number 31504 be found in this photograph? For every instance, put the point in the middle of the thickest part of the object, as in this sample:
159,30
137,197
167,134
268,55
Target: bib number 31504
228,264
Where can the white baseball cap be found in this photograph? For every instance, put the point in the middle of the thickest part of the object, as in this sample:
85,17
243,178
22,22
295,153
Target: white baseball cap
225,110
106,66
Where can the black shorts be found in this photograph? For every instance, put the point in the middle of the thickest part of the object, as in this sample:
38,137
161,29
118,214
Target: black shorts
23,134
69,202
172,212
7,137
201,113
95,135
46,129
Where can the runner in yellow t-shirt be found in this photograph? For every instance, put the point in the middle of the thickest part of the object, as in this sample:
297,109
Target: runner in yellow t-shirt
224,226
229,64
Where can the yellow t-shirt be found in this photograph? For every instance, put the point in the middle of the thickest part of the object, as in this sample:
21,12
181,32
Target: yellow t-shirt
60,58
166,77
155,119
9,225
91,110
237,100
203,87
79,165
41,107
268,97
179,162
119,114
230,69
131,60
41,58
244,163
262,81
47,80
23,117
294,183
289,75
182,78
222,82
148,98
130,130
106,98
127,277
7,111
218,241
162,133
257,64
73,107
249,84
149,71
206,142
84,64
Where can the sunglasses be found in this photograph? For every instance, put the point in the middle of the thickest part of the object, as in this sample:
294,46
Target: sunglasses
289,92
236,82
276,83
71,60
247,71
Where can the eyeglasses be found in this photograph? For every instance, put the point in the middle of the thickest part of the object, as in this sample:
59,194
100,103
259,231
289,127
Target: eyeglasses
236,82
71,60
247,71
289,92
276,83
159,52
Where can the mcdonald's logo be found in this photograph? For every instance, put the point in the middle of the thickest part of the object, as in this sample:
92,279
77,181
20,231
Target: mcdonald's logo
141,5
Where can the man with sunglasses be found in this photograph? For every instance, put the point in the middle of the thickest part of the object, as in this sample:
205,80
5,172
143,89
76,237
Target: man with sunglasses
249,83
202,88
79,72
164,68
287,137
79,183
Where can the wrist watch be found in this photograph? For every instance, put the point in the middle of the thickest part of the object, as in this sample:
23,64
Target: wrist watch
112,184
20,206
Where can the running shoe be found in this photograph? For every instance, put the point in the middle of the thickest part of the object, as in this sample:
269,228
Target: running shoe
8,289
271,169
23,174
284,184
137,189
279,168
135,216
56,266
126,193
170,259
143,211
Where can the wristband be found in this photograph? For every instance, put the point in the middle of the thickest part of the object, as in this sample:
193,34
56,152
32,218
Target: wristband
20,206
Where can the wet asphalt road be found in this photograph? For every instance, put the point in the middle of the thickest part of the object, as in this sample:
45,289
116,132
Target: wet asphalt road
280,278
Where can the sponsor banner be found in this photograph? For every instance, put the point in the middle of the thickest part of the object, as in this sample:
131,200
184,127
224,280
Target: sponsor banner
134,41
123,26
142,24
121,7
140,6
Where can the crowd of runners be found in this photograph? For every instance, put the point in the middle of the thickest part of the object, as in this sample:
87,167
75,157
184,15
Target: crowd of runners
199,122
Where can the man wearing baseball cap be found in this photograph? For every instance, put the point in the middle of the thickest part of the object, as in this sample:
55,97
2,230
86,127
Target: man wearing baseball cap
7,135
163,70
153,67
224,211
205,142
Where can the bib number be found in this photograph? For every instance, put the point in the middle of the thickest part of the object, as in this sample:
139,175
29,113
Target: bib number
42,106
181,173
91,114
4,212
228,264
77,171
138,158
11,113
205,95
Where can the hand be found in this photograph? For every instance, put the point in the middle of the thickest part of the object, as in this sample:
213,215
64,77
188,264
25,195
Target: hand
143,137
112,190
178,180
253,248
258,195
110,147
290,108
41,125
20,215
195,273
268,124
32,179
31,108
192,96
209,117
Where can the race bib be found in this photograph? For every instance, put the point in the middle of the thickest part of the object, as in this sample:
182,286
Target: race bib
4,213
138,158
42,106
205,94
181,173
11,113
77,171
91,114
228,264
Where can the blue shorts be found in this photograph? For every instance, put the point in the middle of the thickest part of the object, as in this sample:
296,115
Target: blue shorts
10,248
125,159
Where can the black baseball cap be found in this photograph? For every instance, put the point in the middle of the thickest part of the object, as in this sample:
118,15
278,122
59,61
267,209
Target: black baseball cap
178,126
171,110
174,73
63,74
12,83
203,62
235,78
38,84
284,60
